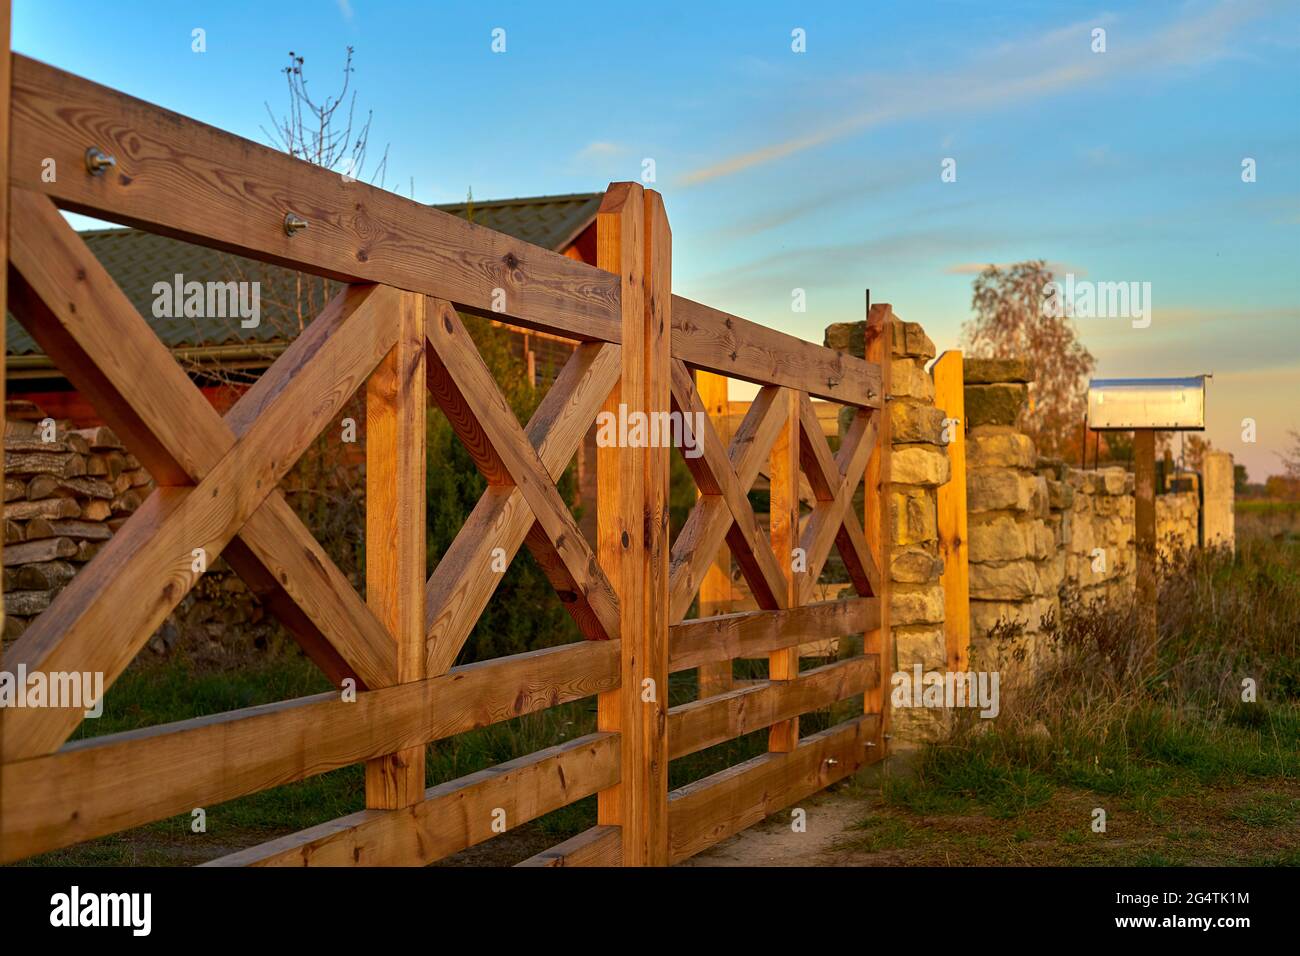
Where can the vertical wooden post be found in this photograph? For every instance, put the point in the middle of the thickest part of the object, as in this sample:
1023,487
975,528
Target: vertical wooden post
715,591
633,240
783,464
954,549
395,530
1144,483
875,519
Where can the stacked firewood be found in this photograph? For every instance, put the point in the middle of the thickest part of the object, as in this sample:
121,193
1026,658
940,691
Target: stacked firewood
64,498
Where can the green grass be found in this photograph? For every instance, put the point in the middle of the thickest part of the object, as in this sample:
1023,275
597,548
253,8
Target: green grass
1265,505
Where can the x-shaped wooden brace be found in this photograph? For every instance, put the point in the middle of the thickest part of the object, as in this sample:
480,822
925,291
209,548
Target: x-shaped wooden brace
217,477
723,477
834,481
521,501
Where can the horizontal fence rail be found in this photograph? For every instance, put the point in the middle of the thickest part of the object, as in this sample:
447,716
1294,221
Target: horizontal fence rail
395,335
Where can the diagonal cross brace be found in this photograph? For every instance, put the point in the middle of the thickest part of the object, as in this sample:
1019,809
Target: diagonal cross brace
723,478
479,414
103,617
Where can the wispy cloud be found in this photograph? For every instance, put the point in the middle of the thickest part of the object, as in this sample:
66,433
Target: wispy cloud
345,8
975,268
1051,63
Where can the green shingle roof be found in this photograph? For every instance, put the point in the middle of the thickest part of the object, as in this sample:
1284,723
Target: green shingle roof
137,260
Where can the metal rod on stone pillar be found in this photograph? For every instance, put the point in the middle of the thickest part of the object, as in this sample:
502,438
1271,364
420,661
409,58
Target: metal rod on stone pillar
1144,453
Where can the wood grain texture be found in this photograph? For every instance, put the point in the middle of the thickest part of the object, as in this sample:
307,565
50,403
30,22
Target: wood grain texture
486,425
5,82
715,341
452,816
106,614
758,633
236,194
723,512
395,529
712,809
783,512
704,723
954,544
111,355
716,592
464,579
597,846
115,782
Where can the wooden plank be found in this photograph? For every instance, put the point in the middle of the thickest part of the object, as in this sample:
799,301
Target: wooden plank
237,193
715,477
715,341
113,357
463,581
954,545
395,526
452,816
598,846
716,588
712,809
713,520
875,522
487,426
633,240
757,633
783,513
832,522
104,616
620,482
106,784
704,723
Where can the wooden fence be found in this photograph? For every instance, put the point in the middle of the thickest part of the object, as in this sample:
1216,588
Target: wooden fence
395,331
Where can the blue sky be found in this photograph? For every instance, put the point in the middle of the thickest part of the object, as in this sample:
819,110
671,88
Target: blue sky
821,170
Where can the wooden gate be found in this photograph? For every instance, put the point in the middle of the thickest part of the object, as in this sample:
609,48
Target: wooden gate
396,331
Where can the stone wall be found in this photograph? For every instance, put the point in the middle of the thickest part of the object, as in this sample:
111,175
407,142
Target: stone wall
919,465
1016,561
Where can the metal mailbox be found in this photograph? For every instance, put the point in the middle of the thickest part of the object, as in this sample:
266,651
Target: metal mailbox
1165,404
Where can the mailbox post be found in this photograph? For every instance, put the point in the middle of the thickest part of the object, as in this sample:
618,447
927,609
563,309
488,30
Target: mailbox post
1146,406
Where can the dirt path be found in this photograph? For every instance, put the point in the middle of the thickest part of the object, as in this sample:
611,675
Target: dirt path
830,816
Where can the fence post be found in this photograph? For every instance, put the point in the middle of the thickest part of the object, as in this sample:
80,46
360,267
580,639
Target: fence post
783,511
395,530
875,519
716,593
633,240
954,547
5,79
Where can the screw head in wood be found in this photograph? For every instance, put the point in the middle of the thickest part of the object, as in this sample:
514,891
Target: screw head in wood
294,224
97,161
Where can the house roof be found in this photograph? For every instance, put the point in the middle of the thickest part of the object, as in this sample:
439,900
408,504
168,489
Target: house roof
137,260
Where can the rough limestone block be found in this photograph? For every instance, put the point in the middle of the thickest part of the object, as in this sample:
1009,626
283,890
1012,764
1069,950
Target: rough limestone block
1060,495
999,404
920,645
850,337
1115,480
910,339
919,465
913,516
996,489
987,448
1039,504
911,381
1044,541
983,371
912,422
916,604
986,615
1009,581
914,566
999,538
